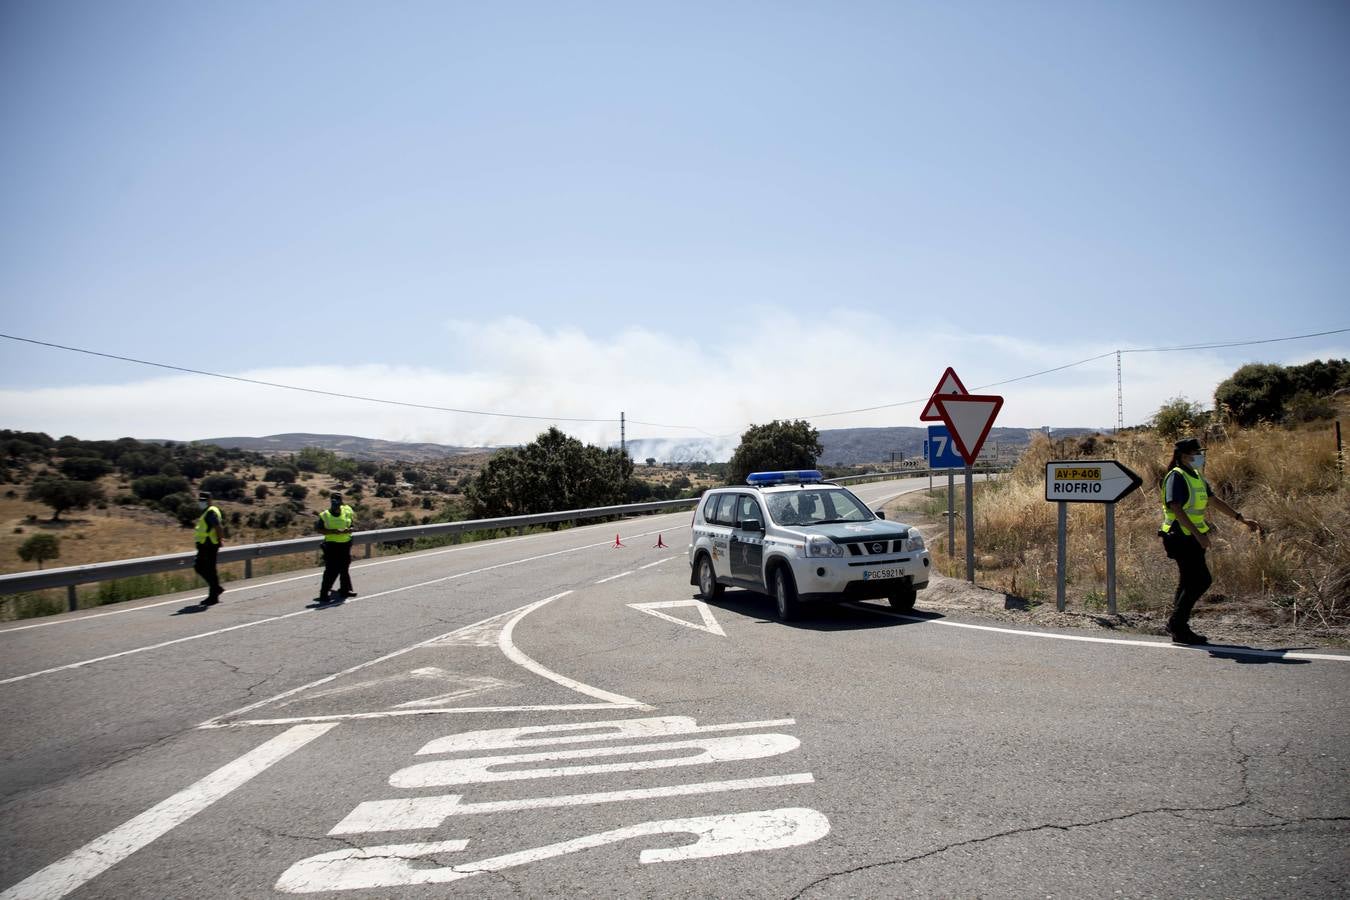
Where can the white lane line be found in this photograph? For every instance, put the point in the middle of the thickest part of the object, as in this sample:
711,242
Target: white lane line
1153,645
356,567
101,854
416,813
299,612
213,722
615,577
397,713
514,654
658,562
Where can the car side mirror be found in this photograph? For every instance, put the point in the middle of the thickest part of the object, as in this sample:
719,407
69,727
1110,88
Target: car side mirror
752,525
881,514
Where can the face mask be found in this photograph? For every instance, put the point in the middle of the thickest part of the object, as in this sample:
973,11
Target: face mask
202,504
1198,461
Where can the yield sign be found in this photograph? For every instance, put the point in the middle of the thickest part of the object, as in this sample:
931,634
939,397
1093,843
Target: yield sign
709,624
948,385
969,418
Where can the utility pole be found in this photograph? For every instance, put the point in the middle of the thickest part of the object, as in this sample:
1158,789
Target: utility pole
623,442
1120,404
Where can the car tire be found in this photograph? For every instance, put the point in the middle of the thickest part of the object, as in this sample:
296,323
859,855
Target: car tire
708,588
903,598
785,594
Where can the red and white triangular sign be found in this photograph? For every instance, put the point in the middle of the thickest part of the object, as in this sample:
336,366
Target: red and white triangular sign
948,385
969,418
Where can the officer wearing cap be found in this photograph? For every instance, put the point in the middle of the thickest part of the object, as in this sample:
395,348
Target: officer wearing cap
207,535
1186,534
335,523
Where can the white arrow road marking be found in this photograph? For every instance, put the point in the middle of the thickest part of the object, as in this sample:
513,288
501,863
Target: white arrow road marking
709,623
414,813
582,733
101,854
390,865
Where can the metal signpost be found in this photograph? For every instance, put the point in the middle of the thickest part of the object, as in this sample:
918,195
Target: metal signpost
1088,481
968,418
941,453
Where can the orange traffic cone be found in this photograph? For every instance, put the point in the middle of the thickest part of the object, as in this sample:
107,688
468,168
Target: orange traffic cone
617,543
660,544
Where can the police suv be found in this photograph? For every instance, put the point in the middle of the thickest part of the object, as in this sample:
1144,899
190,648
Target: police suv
796,538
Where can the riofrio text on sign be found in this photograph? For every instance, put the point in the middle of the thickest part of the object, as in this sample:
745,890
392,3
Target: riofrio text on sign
1076,481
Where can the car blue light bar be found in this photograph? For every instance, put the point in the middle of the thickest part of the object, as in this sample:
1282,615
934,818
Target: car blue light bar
798,476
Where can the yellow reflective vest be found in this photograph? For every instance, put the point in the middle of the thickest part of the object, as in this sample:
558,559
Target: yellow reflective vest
203,531
344,519
1196,501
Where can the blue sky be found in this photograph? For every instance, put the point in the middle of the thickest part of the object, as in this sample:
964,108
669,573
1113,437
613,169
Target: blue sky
705,215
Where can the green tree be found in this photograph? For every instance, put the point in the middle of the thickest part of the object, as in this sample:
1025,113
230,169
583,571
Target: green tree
183,507
85,468
224,487
1255,393
314,459
40,547
281,475
1178,418
554,472
62,494
778,445
157,487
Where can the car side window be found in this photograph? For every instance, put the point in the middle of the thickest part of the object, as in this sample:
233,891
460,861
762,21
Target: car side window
726,510
748,508
710,509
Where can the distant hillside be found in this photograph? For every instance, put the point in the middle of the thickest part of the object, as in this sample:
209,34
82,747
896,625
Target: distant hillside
344,445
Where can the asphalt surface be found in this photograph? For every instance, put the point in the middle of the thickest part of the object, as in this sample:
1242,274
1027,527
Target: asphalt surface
551,716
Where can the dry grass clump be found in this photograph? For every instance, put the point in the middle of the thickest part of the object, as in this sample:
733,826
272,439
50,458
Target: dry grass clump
1299,570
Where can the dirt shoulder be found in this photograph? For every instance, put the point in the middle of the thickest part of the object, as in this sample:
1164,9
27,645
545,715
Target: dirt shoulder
1222,622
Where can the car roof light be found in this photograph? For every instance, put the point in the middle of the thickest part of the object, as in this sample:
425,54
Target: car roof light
797,476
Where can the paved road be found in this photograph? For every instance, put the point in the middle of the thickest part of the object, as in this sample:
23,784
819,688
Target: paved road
549,716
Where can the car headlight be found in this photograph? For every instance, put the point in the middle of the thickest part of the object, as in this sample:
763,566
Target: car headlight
914,543
819,545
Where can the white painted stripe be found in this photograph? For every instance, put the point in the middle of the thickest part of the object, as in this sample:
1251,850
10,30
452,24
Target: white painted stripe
239,592
514,654
1153,645
615,577
658,562
300,612
415,813
101,854
398,713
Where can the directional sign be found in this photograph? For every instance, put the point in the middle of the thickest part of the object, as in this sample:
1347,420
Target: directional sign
969,418
941,452
1088,480
948,385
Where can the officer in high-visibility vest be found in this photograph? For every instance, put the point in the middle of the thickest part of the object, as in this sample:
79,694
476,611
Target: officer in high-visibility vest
210,530
1186,534
336,523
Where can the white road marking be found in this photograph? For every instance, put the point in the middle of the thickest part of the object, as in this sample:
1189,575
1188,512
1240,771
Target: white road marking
516,656
483,769
400,713
390,865
414,813
615,577
658,562
583,733
101,854
709,625
300,612
357,567
1153,645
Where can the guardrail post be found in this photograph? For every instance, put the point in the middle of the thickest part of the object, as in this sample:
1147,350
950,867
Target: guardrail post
248,568
71,600
369,545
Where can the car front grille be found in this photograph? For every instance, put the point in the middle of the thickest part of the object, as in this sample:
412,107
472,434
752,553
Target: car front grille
874,548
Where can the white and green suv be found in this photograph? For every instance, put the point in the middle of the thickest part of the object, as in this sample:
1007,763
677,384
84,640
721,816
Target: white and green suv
796,538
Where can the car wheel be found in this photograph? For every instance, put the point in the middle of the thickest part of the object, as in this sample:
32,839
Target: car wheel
708,588
785,594
903,598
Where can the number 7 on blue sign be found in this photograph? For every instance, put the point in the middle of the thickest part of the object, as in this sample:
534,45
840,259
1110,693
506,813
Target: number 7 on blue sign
942,453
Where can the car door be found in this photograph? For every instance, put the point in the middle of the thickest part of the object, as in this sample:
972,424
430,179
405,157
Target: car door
747,545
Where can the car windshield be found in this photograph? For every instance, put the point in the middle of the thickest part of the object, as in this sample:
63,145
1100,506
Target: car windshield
817,507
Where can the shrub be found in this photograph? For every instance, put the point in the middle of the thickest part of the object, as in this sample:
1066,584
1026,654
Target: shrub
296,491
40,548
224,487
157,487
61,494
261,492
85,468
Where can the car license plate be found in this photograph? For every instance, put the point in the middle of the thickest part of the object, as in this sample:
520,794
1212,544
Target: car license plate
875,574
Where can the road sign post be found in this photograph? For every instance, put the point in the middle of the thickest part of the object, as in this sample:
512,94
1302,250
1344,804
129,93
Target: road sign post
1088,481
969,418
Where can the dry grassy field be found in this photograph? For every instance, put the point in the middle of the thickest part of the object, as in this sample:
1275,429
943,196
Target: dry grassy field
1296,574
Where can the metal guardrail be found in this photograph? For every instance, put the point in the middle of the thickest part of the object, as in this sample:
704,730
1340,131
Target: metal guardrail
71,576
